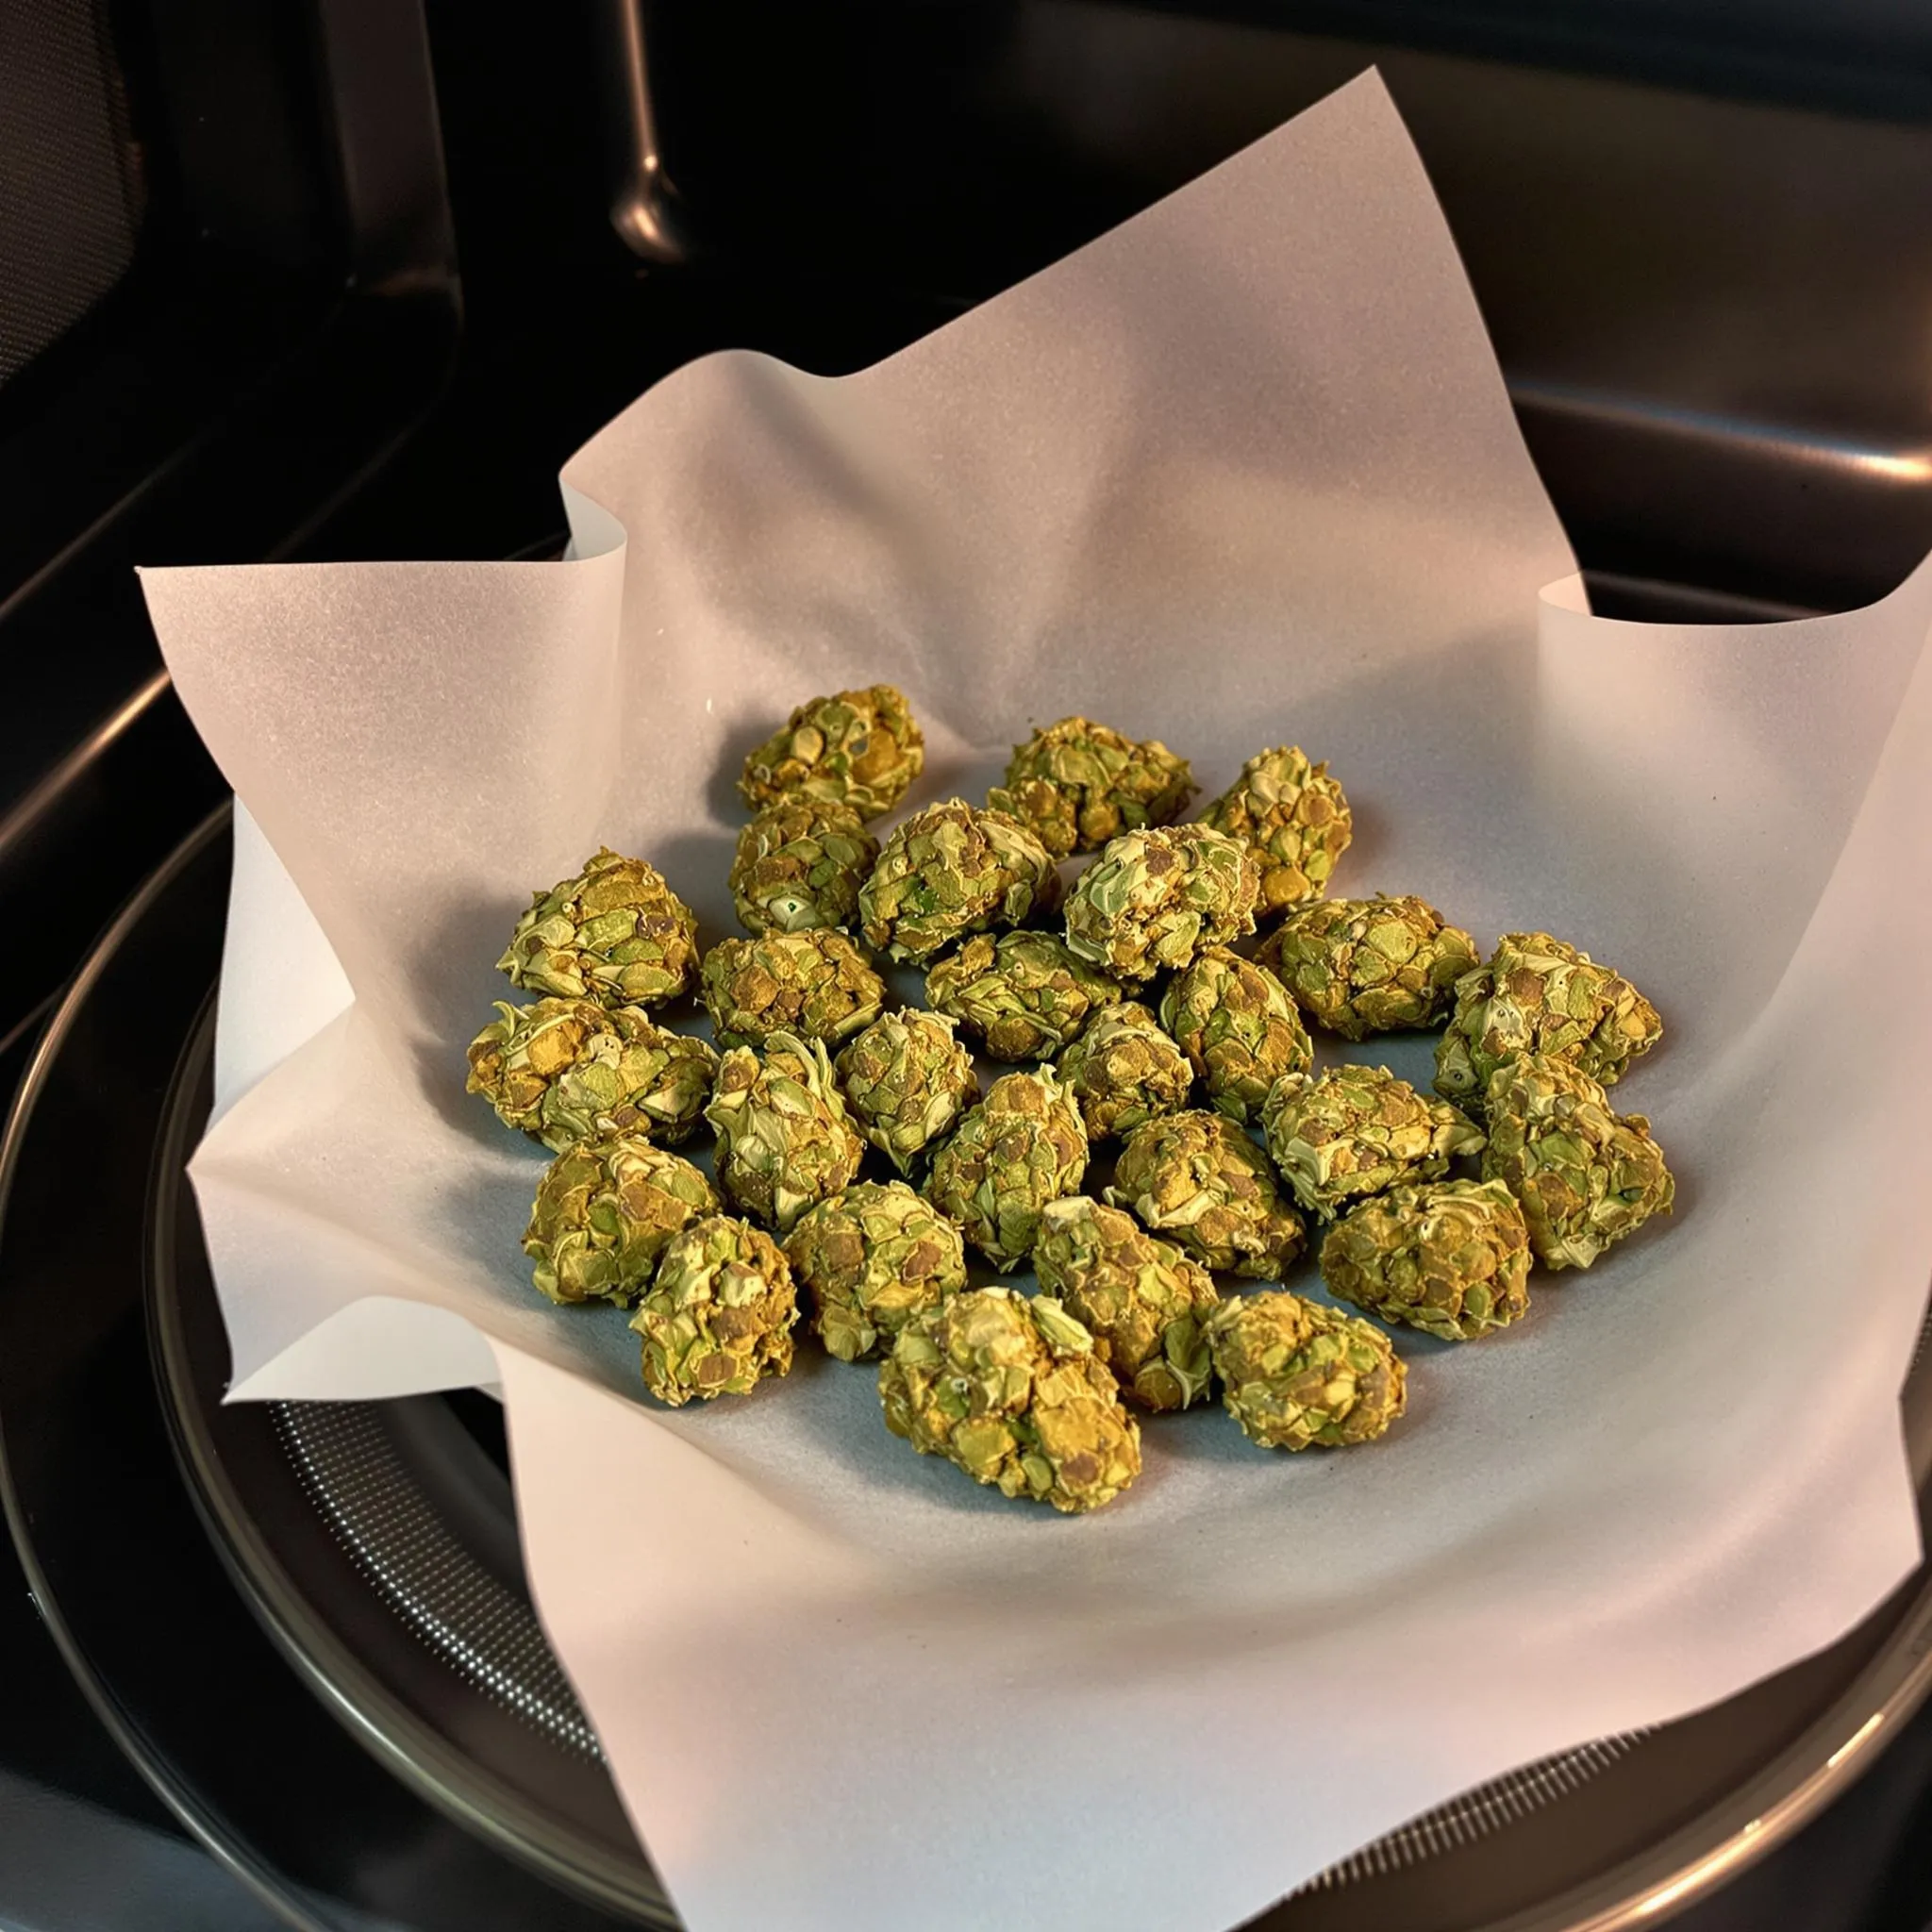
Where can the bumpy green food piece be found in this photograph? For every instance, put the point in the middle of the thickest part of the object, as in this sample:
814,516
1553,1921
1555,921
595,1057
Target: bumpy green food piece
1021,1147
1238,1027
1011,1389
1153,899
1534,994
862,749
615,933
1294,1373
1197,1179
1142,1298
784,1140
951,870
1294,815
907,1081
799,867
1077,784
814,984
1359,1130
719,1314
1363,966
1124,1070
605,1210
1585,1176
561,1068
1023,995
871,1257
1451,1258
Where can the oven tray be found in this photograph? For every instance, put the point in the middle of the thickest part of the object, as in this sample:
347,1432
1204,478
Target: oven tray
377,1543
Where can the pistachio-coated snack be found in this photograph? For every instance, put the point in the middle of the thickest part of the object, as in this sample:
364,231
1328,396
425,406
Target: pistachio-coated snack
814,984
1585,1176
1144,1301
1294,815
1238,1027
605,1210
952,870
1009,1388
1357,1130
1534,994
871,1257
1451,1258
800,864
719,1314
1020,1148
561,1068
1153,899
784,1140
1077,784
1294,1373
907,1081
616,933
1023,995
862,749
1363,966
1196,1179
1124,1070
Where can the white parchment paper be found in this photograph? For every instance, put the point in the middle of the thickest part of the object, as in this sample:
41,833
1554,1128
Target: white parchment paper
1242,473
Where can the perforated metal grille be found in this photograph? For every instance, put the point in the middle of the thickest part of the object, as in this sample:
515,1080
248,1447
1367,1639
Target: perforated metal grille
391,1531
70,181
487,1633
1476,1814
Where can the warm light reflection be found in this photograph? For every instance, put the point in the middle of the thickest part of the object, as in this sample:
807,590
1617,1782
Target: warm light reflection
1893,466
1671,1893
1853,1742
1909,468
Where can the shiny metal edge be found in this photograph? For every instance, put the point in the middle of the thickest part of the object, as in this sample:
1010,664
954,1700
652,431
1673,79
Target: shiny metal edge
198,1820
1813,1771
46,791
1787,1794
644,208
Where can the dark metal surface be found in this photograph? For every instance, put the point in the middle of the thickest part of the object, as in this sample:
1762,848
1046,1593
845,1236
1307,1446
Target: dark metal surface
172,1663
292,310
1711,309
71,187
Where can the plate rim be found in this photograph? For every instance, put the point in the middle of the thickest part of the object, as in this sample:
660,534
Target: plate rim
426,1763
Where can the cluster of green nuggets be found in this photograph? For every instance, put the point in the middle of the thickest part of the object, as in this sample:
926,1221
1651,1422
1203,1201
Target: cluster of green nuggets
1030,1392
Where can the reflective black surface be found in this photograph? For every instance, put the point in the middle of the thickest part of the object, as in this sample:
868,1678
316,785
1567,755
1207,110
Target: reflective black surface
171,1659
